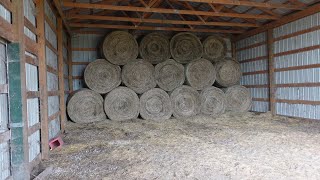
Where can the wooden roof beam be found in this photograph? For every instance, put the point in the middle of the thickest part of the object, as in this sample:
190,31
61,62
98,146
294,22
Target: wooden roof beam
249,3
152,28
164,10
168,2
159,21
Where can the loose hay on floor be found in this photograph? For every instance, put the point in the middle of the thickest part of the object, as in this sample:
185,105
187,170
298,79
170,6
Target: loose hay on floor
234,146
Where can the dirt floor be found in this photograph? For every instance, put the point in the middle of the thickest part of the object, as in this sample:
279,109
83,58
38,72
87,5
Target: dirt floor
234,146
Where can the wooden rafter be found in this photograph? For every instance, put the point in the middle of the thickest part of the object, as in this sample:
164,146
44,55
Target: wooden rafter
249,3
163,10
159,21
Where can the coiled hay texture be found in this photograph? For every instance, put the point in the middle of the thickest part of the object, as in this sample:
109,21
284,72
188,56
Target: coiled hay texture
102,76
139,76
121,104
155,48
238,99
200,74
85,106
169,75
120,47
155,104
214,48
185,47
228,72
185,102
212,101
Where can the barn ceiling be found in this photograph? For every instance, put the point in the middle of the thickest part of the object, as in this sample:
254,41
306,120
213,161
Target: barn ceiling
203,16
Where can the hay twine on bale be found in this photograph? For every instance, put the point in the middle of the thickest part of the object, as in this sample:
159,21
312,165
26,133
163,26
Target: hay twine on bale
238,99
214,48
185,101
200,74
121,103
185,47
154,48
212,101
85,106
169,75
228,72
120,47
102,76
139,76
155,104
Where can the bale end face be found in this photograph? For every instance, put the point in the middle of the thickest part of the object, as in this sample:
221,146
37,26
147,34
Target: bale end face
238,99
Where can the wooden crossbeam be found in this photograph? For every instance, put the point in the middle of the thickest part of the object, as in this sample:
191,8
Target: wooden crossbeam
159,21
151,28
163,10
249,3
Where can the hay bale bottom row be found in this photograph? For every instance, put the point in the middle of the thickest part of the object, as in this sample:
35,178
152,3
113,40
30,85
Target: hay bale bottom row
122,103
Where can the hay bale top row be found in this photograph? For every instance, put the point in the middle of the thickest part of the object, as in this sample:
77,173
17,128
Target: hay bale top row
120,47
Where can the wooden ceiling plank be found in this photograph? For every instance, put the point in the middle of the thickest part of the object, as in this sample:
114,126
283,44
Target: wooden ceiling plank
164,10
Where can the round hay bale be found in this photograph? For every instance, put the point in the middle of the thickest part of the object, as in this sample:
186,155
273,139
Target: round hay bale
212,101
102,76
185,47
120,47
85,106
214,48
155,104
121,104
238,99
154,48
169,75
185,101
200,74
139,76
228,73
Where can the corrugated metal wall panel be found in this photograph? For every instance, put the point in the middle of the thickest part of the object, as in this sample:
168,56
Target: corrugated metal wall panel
299,25
251,49
50,13
50,35
51,58
65,69
53,105
34,145
4,117
54,128
33,111
297,61
78,84
32,82
5,14
52,82
29,11
65,53
4,161
78,70
84,56
87,40
30,34
66,84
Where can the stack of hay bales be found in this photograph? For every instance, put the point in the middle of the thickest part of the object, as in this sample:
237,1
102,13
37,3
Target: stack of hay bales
198,79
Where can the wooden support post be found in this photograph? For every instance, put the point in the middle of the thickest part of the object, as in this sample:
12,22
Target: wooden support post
270,46
70,64
43,80
61,74
17,94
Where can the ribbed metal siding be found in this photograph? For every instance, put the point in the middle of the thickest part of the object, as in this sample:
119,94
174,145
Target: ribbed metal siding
50,35
33,111
78,70
50,14
254,66
54,128
29,13
52,82
87,40
4,161
78,84
34,145
53,105
51,58
5,14
84,56
32,82
311,75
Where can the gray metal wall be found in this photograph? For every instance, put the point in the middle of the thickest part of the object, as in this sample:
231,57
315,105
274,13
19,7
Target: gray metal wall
252,55
297,66
4,117
52,77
